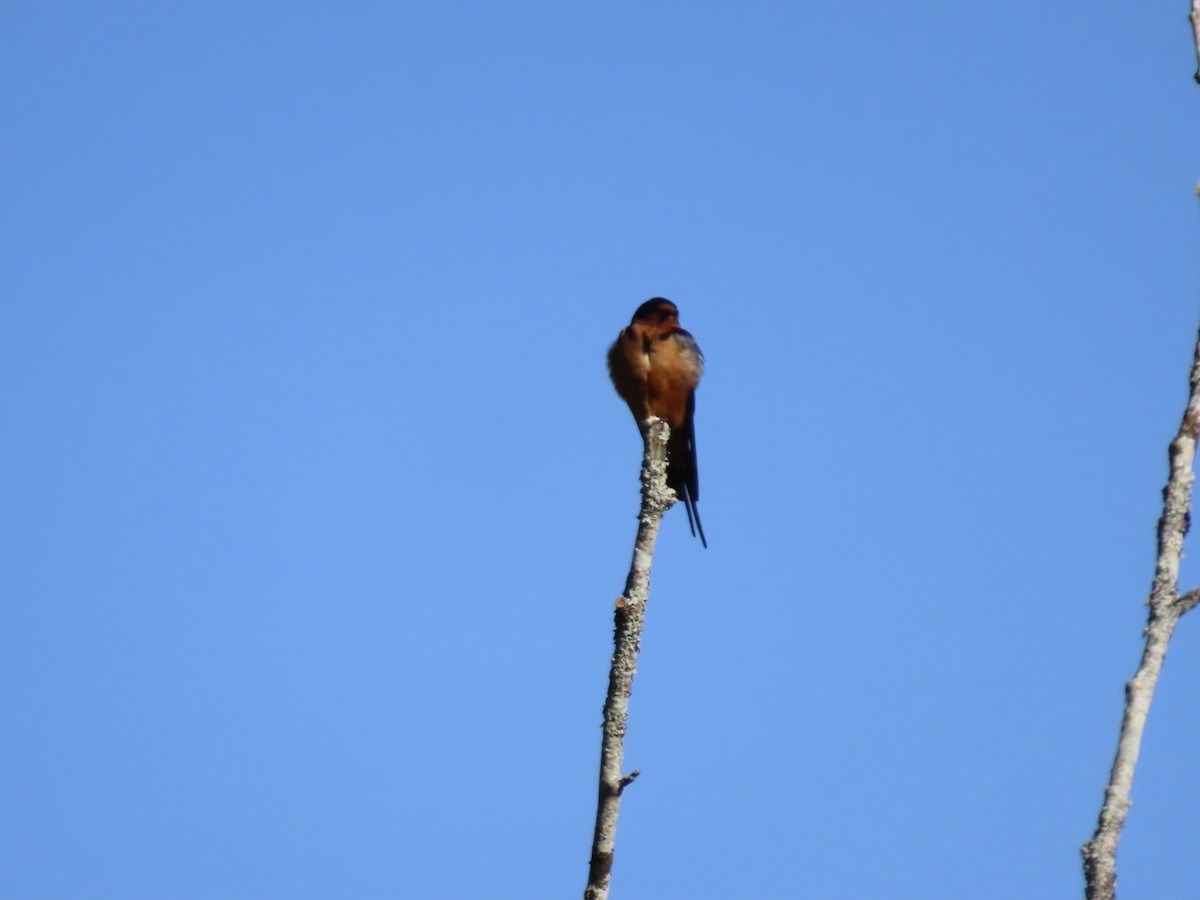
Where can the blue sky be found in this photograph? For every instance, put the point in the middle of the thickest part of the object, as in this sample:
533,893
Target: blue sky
317,496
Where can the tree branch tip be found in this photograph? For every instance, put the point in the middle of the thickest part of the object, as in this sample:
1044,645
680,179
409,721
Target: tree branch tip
627,780
658,428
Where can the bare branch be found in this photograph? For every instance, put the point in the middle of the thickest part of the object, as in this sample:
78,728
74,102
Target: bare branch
1166,607
1195,19
628,616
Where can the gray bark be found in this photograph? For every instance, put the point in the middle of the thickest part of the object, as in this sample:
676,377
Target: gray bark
628,617
1166,606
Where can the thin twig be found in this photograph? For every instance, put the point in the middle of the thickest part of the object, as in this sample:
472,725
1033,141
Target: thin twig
1166,607
629,615
1195,20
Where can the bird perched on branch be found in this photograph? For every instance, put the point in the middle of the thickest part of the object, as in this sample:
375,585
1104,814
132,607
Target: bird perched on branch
655,366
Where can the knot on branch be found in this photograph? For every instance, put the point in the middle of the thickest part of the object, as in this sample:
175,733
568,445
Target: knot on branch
627,780
1191,425
1186,601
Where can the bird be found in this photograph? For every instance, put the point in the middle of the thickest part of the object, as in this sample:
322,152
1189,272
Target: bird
655,365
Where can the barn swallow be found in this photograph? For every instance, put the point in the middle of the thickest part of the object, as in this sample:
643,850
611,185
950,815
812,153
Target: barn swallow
655,366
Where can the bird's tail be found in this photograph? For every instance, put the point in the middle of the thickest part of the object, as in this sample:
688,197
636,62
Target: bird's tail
693,514
683,479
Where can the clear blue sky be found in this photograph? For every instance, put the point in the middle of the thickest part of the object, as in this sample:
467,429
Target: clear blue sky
317,497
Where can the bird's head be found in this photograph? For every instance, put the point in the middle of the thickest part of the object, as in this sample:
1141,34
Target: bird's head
656,311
